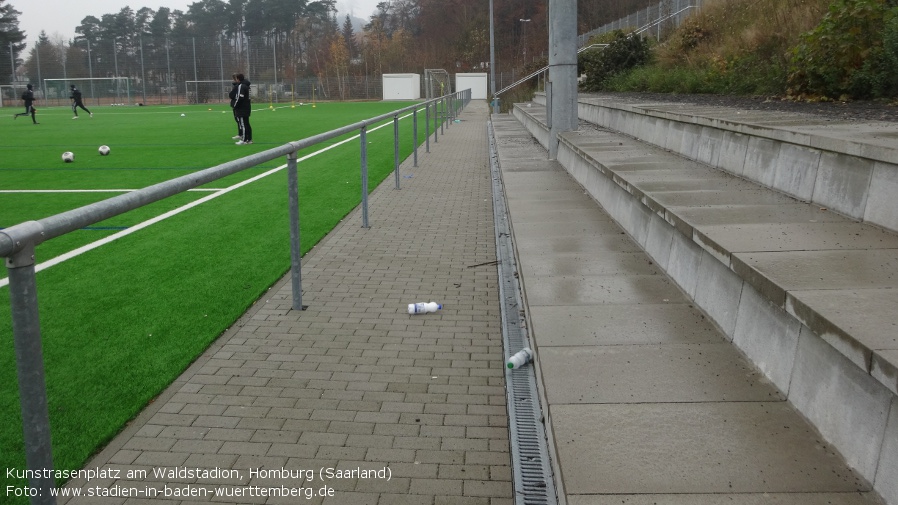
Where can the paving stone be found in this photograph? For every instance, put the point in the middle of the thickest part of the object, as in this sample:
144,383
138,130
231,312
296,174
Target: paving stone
351,379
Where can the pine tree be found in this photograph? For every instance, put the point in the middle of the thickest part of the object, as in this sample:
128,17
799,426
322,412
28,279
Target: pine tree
349,38
10,34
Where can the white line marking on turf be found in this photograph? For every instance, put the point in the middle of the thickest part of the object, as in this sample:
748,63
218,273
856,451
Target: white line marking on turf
139,226
87,190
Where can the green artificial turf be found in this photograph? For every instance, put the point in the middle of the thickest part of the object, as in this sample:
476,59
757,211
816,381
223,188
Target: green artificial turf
122,321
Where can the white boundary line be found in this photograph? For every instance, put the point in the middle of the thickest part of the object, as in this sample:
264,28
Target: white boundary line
139,226
26,191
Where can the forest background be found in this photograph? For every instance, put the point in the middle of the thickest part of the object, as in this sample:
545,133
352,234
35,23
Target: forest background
402,36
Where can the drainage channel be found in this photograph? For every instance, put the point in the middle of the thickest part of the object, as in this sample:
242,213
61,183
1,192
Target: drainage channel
531,468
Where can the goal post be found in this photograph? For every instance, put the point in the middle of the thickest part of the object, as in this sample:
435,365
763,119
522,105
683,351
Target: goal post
207,91
10,94
436,83
99,90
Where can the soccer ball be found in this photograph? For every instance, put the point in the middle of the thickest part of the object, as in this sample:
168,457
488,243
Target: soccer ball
182,115
68,156
104,150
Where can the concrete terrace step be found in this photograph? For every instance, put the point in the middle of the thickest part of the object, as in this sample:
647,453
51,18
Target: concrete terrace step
849,167
646,401
808,294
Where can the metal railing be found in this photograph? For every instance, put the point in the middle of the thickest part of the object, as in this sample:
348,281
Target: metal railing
542,70
663,11
18,242
582,39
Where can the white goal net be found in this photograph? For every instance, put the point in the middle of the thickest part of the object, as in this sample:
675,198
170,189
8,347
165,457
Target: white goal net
207,91
11,94
436,83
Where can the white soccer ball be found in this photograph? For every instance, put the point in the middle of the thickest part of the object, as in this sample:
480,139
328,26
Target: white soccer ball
104,150
182,115
68,156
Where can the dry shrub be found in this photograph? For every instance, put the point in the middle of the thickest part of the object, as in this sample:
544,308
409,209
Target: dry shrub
735,29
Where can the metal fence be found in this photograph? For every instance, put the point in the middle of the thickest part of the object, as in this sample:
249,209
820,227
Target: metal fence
183,70
173,71
653,20
18,242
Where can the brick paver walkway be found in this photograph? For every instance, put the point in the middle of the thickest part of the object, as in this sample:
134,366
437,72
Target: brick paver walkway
354,383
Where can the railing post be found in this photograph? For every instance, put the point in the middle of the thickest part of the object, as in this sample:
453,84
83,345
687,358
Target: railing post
451,99
443,116
415,135
396,148
436,126
427,127
30,369
363,136
295,244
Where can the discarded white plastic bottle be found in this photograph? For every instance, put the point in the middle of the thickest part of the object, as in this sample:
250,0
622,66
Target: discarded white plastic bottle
421,308
520,358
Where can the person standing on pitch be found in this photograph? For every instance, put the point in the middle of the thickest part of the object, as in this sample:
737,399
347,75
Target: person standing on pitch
28,98
242,109
233,96
76,102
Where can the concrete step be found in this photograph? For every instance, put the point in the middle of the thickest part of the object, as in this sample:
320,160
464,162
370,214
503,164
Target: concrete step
646,399
804,291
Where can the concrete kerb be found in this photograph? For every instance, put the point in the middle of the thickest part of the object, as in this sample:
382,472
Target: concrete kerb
852,389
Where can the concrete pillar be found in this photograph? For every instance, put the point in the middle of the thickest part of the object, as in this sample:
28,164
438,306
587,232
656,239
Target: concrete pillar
562,70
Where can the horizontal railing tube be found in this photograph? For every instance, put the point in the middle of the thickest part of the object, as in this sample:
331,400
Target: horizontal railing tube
60,224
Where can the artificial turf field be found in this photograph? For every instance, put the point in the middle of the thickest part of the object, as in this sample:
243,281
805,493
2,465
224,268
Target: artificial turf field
122,321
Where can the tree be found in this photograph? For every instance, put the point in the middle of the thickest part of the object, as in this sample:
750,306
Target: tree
44,60
89,29
160,26
349,38
340,64
10,34
375,43
208,18
142,21
313,34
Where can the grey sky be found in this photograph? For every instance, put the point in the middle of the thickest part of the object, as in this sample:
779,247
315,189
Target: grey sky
60,17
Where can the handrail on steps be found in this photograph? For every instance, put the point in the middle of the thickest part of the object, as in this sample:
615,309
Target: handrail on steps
640,30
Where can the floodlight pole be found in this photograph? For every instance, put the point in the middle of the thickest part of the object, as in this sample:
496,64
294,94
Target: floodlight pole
196,84
118,96
90,69
523,38
37,54
168,67
143,74
493,63
12,61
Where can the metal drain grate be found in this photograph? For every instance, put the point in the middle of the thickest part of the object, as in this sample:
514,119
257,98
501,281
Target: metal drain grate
530,461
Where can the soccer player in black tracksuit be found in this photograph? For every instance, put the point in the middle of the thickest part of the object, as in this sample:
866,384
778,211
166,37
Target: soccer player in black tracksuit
28,98
242,108
233,96
76,102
